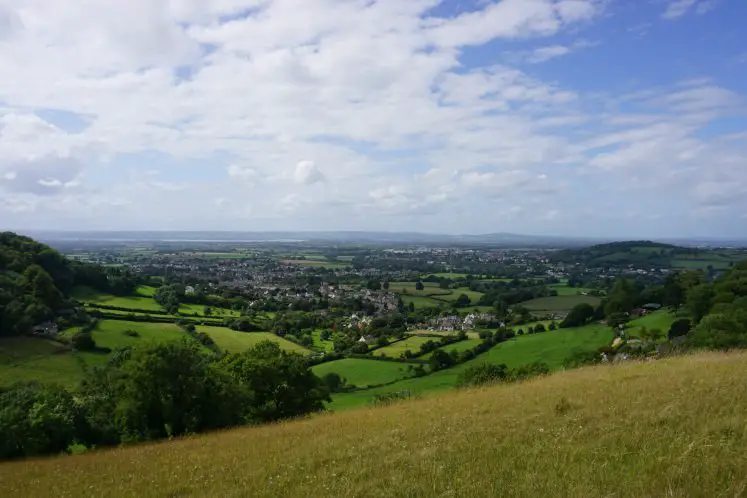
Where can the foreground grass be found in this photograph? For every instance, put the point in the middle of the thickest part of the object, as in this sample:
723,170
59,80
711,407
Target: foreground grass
662,428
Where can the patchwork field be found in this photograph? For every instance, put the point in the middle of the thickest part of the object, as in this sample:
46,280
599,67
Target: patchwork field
549,347
396,349
362,373
564,290
237,342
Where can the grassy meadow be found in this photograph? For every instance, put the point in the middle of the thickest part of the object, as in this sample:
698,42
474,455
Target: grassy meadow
395,349
361,372
659,428
458,347
661,320
140,301
237,342
549,347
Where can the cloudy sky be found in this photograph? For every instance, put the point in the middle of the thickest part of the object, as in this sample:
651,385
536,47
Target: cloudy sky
578,117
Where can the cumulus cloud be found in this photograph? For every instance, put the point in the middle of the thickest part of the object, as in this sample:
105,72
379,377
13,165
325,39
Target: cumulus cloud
386,96
307,173
678,8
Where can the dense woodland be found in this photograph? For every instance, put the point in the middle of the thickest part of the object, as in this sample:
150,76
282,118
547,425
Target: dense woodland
35,282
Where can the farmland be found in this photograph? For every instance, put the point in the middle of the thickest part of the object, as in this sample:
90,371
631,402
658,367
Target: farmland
28,358
111,333
501,440
458,347
549,347
315,263
396,349
237,342
661,320
362,372
139,302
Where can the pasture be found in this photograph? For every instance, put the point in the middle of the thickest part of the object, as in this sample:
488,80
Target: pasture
237,342
111,333
140,302
458,347
565,290
362,372
558,303
396,349
549,347
32,358
662,320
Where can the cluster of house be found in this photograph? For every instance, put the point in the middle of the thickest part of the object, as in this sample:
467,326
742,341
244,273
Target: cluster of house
453,323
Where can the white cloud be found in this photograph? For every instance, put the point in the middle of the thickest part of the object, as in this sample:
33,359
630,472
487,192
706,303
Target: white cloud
678,8
543,54
392,115
307,173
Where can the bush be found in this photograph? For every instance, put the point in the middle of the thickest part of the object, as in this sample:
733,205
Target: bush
580,315
484,373
680,328
131,333
83,341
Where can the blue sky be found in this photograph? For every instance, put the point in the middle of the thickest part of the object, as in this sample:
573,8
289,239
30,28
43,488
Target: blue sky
567,117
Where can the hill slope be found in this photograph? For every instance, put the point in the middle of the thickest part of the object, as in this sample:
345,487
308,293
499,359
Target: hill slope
673,427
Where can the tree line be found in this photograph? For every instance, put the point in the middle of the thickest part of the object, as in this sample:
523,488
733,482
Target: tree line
158,392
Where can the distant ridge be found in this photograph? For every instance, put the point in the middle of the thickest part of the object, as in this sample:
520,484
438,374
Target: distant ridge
500,239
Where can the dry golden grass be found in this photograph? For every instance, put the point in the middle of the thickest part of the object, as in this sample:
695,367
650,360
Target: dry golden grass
675,427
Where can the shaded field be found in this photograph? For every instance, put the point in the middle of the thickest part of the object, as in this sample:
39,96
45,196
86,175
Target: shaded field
362,373
664,427
396,349
237,342
89,295
559,303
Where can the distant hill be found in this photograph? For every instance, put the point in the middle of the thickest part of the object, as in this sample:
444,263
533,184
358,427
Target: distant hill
639,253
672,427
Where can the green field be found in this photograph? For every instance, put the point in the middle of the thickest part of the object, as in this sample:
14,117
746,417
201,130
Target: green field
421,302
661,320
145,291
396,349
559,303
110,333
327,346
362,373
30,358
564,290
549,347
237,342
89,295
458,347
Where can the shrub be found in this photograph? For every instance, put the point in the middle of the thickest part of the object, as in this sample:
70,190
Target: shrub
83,341
482,374
131,333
